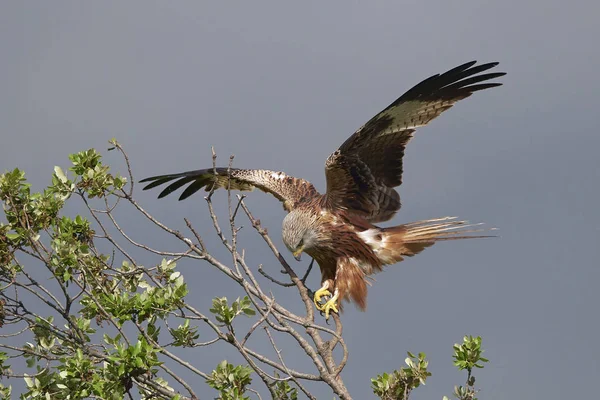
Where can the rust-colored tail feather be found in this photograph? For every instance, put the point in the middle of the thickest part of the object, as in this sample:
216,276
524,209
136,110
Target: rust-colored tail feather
412,238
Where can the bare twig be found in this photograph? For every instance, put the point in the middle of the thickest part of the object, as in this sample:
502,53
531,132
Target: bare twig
269,277
258,323
296,381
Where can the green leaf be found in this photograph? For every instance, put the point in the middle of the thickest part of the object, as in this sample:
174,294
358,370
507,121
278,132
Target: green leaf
28,381
60,174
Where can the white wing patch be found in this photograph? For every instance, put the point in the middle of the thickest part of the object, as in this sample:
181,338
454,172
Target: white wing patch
370,237
377,242
278,175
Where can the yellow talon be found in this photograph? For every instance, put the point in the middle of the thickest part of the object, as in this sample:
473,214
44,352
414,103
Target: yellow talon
330,306
321,293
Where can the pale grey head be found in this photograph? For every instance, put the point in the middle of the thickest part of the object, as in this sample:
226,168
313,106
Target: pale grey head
299,231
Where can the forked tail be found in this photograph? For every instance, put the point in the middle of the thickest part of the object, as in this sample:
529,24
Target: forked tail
446,228
410,239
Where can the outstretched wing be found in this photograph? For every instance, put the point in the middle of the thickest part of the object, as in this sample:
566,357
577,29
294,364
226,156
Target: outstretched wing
362,173
289,190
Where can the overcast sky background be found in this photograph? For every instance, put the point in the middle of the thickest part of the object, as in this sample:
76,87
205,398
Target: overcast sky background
283,85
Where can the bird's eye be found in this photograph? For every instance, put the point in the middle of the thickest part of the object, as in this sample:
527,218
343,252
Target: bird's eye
301,243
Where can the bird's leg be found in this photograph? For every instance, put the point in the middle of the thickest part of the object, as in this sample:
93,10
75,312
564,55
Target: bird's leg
331,304
323,291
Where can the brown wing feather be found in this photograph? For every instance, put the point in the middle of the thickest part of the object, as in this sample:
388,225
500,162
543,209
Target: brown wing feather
352,186
370,161
289,190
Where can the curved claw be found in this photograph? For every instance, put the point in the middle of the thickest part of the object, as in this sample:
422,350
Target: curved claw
331,305
318,295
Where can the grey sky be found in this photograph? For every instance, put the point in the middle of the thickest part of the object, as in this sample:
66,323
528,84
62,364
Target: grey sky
266,81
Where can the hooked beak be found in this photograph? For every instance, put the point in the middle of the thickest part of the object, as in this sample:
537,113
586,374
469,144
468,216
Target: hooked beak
298,254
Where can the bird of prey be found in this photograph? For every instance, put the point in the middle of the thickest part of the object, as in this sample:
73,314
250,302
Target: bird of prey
337,228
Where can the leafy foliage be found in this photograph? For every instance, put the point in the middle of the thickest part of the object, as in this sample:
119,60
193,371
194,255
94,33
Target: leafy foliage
399,384
283,390
231,381
225,314
184,335
468,356
95,178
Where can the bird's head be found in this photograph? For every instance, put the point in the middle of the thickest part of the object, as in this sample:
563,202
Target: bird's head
299,231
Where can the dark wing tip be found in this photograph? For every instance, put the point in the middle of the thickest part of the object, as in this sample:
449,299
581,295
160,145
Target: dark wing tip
193,188
488,65
198,178
456,83
460,68
156,181
483,86
152,178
